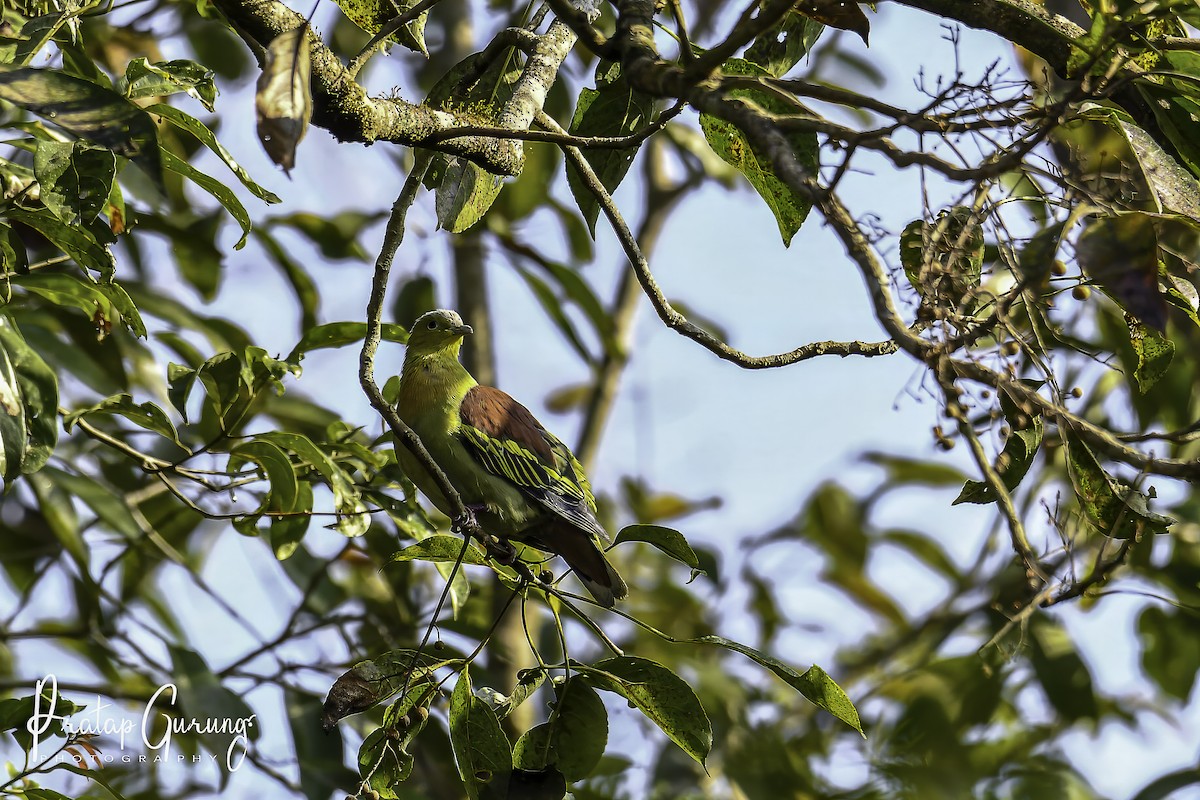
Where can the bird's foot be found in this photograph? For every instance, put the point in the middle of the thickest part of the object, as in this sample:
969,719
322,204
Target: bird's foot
505,553
467,523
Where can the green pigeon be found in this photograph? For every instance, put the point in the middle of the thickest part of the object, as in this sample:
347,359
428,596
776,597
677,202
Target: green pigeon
521,482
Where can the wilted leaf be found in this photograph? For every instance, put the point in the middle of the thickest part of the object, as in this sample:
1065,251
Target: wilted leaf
943,259
1113,508
369,682
283,99
1154,353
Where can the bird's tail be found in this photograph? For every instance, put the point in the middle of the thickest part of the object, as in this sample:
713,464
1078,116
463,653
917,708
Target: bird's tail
583,556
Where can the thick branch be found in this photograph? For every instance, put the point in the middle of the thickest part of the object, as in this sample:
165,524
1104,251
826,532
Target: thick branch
343,107
1020,21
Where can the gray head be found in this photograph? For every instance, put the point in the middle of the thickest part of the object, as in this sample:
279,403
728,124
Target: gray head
437,330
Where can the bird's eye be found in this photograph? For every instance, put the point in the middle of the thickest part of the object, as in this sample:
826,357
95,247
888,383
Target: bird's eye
432,325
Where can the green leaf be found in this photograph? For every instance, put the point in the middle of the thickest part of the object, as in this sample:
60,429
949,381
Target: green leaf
1026,429
86,110
1176,114
612,109
668,540
528,682
198,129
145,415
383,760
481,749
13,431
440,548
110,508
288,531
465,191
574,738
1181,293
553,306
14,258
202,696
904,471
789,207
180,380
661,695
37,32
63,289
382,764
319,754
143,79
372,15
341,334
336,236
286,497
465,194
1061,671
75,179
28,405
416,296
59,513
76,241
781,46
815,684
220,191
1112,508
1170,650
1168,786
302,283
1120,253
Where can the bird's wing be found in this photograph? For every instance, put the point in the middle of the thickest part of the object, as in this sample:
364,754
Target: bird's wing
509,442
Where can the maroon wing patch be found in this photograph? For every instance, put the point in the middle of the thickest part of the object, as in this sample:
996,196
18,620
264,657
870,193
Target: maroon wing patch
497,415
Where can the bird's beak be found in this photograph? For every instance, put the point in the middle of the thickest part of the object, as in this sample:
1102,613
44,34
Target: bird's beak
463,330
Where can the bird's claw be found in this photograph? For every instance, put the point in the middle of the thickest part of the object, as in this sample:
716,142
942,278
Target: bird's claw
467,523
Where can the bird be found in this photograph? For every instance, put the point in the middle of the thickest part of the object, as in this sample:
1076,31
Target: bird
518,479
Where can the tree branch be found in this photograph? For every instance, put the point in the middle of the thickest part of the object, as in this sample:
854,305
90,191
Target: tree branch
342,106
678,322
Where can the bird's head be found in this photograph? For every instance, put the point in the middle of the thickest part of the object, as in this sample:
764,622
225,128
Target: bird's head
437,331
